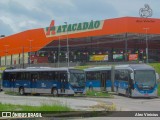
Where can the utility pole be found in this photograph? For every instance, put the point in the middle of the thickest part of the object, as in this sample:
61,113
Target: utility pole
6,52
126,47
22,56
59,51
67,48
146,29
30,46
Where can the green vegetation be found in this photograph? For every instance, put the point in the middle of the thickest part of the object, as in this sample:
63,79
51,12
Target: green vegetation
53,107
156,66
92,93
11,93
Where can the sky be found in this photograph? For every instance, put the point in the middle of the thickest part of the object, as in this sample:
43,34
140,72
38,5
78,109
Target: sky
21,15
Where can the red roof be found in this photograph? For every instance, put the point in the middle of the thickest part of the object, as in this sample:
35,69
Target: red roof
36,38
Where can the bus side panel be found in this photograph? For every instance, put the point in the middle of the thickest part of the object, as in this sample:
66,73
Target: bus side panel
45,86
93,84
6,85
120,86
123,85
108,85
22,83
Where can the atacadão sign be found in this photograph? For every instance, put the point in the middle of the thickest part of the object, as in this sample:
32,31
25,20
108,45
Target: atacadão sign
74,28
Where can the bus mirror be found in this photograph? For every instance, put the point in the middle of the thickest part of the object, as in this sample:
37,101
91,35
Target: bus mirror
132,76
157,76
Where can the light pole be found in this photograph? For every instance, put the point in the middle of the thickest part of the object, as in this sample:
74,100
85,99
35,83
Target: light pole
1,36
59,51
126,46
146,29
22,56
6,51
30,46
67,47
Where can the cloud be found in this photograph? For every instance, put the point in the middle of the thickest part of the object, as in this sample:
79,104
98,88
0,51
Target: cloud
20,15
72,11
5,28
17,14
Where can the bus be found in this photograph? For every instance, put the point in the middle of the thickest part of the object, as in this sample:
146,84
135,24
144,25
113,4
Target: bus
55,81
137,80
98,78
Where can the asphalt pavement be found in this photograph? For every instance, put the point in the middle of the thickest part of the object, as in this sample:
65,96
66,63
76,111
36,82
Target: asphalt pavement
79,104
121,103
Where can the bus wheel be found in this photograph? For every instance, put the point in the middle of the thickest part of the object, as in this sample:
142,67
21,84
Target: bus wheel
54,92
21,91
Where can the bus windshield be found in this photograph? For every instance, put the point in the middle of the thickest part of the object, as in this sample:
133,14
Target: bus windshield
77,78
145,78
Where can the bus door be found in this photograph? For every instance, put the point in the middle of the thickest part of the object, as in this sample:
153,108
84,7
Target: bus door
103,81
63,81
12,79
33,85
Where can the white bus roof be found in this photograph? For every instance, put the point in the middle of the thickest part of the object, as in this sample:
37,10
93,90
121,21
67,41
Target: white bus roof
135,67
41,69
98,68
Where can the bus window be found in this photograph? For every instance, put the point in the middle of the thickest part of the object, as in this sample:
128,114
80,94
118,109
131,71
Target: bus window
34,76
63,76
116,75
121,75
26,76
50,75
93,76
56,76
43,76
6,76
46,75
20,76
12,76
107,75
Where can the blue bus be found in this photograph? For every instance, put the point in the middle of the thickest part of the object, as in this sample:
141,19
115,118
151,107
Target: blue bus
55,81
137,80
98,78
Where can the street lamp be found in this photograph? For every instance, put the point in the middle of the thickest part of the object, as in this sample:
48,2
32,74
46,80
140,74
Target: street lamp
30,45
1,36
22,56
6,51
146,29
59,48
67,47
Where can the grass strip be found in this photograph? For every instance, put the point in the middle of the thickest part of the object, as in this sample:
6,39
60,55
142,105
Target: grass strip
43,107
92,93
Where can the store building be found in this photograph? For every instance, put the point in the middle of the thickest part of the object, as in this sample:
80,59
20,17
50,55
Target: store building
111,40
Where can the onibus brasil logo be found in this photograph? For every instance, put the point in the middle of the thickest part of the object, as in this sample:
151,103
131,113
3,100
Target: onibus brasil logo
146,11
